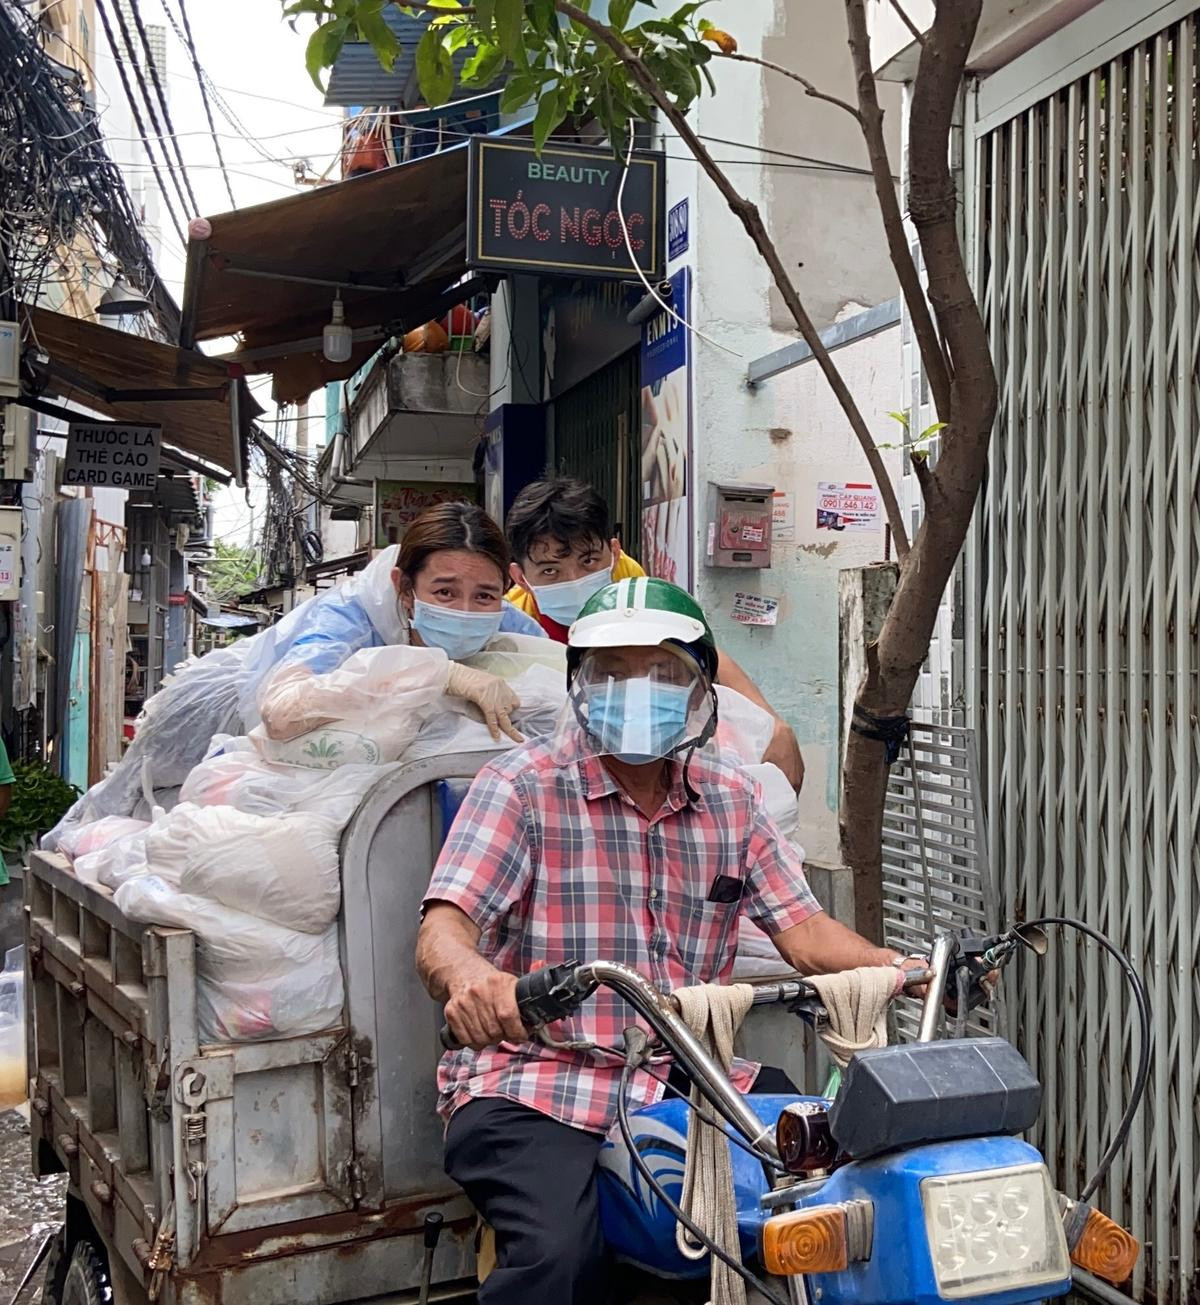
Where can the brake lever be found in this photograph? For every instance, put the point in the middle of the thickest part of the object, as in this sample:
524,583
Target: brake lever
812,1011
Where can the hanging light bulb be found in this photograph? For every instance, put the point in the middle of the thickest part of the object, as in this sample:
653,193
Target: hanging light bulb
146,559
337,340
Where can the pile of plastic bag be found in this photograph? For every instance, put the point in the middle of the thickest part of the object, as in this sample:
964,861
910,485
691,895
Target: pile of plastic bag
247,858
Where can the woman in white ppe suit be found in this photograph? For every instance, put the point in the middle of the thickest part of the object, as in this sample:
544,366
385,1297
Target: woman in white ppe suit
444,602
225,691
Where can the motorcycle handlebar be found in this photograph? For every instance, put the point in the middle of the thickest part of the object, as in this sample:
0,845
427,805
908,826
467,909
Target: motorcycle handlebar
554,992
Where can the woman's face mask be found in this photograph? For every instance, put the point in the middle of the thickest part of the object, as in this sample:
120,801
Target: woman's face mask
640,719
562,602
457,634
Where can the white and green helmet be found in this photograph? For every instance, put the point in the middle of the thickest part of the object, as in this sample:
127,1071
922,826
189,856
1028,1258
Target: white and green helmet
642,612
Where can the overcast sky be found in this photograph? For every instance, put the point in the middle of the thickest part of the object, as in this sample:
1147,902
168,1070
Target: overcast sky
257,64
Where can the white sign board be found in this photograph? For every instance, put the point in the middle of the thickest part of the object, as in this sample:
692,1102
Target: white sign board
847,506
755,609
112,454
783,517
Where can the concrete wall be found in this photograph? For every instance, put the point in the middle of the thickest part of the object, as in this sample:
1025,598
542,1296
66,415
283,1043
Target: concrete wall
826,222
789,431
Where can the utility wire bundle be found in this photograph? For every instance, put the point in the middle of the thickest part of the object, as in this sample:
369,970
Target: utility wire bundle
59,189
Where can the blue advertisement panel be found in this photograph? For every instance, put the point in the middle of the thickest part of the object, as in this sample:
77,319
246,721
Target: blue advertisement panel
667,439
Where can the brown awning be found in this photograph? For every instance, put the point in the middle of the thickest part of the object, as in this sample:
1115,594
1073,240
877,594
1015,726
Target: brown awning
202,406
391,242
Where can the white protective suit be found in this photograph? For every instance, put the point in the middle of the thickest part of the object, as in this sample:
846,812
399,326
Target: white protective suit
221,693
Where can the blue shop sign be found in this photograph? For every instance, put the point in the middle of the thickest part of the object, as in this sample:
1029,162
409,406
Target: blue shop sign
677,229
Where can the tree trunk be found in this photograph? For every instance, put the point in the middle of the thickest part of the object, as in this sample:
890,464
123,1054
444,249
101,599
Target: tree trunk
951,486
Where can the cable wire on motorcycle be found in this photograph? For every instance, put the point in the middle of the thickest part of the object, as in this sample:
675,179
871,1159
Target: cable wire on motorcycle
751,1279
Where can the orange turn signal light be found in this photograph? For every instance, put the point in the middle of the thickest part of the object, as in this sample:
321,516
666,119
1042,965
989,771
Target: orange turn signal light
1105,1248
806,1241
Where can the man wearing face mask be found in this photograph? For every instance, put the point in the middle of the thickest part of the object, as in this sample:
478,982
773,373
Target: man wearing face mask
625,838
560,534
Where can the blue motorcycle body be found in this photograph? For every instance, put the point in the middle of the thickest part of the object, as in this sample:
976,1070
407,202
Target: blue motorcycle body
640,1230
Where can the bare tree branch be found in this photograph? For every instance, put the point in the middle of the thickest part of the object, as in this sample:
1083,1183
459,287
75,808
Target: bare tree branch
871,120
924,474
933,208
750,218
950,489
916,32
809,88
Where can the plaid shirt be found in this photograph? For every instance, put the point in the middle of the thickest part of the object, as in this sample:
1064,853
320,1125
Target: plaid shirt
554,862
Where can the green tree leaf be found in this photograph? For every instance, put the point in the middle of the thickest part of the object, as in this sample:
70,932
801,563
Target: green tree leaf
484,66
518,91
485,15
373,28
551,110
618,13
510,16
435,68
324,46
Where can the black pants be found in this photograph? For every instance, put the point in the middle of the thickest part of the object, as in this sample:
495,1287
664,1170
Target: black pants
534,1181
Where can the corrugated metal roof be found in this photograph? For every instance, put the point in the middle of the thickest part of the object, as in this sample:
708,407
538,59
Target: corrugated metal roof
358,79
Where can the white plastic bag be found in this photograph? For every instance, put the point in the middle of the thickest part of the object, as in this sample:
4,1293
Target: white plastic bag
364,713
281,868
254,980
744,729
113,864
778,796
245,781
173,734
543,694
757,957
84,839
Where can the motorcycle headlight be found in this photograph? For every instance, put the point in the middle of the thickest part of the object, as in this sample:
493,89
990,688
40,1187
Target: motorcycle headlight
996,1230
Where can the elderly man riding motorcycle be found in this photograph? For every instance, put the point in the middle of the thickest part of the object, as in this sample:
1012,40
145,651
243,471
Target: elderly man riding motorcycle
622,836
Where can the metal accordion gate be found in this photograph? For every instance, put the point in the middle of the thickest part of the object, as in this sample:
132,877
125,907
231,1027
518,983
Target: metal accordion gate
1083,587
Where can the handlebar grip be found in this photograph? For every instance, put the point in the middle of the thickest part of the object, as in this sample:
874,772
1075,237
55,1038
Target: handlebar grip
449,1041
530,987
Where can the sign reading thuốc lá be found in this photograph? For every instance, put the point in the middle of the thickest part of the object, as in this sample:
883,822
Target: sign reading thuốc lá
112,455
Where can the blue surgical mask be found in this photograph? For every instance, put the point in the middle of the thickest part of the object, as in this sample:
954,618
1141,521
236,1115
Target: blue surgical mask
457,634
638,720
564,601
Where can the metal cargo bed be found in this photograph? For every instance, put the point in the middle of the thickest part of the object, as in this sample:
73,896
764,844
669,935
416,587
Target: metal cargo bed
293,1170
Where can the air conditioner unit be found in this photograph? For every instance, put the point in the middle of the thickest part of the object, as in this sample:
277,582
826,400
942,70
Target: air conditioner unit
16,442
10,360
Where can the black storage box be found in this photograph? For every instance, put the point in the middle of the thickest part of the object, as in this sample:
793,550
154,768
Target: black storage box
905,1095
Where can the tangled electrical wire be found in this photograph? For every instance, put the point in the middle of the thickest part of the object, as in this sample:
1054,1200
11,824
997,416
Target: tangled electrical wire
288,541
59,188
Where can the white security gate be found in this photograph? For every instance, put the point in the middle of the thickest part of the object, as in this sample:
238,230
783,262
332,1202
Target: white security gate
1084,592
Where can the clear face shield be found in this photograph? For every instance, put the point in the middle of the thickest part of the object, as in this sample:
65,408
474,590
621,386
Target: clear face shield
639,705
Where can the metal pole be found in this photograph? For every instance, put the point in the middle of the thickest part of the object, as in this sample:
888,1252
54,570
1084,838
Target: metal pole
939,962
1097,1289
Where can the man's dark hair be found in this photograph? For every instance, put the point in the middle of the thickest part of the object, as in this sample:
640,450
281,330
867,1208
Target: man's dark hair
568,510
